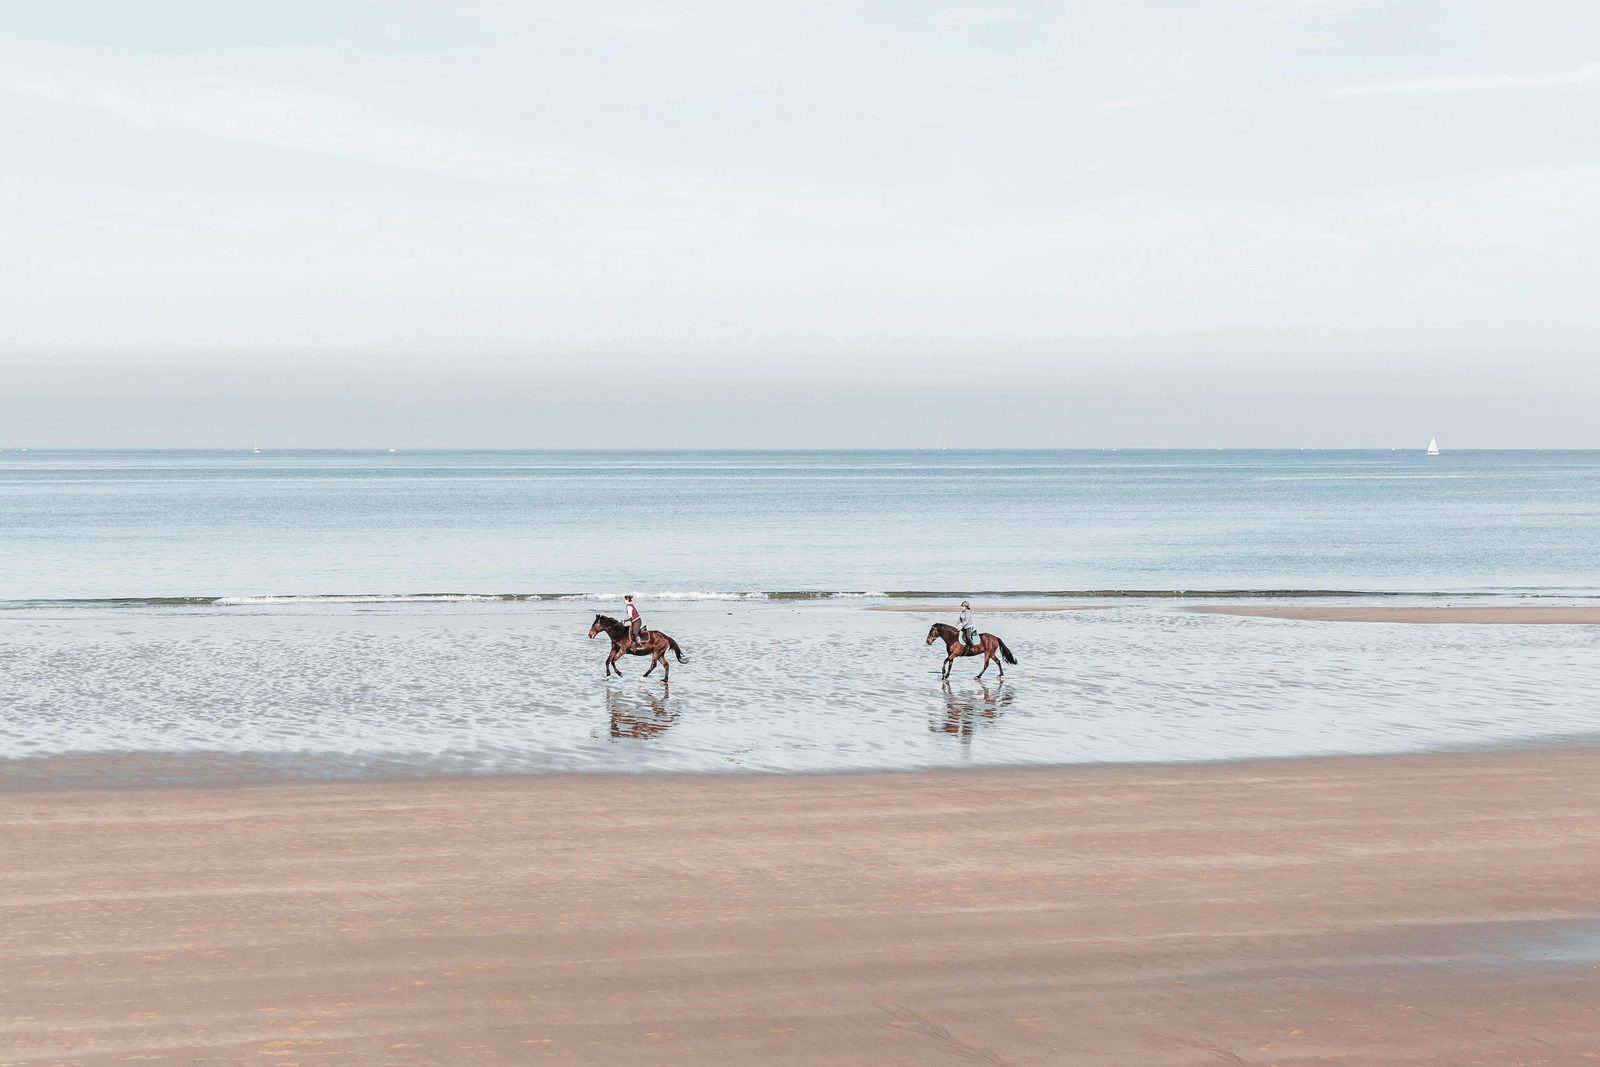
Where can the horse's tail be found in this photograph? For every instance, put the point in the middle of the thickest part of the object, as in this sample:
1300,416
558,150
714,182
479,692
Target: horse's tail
1006,652
678,651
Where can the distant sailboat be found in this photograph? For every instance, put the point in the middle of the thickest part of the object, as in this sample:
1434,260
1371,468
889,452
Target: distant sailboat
1433,446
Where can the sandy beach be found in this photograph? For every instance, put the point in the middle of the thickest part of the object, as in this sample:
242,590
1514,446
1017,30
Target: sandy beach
1518,615
1418,909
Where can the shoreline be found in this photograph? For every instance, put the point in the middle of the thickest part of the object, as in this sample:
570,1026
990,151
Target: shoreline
155,773
1396,909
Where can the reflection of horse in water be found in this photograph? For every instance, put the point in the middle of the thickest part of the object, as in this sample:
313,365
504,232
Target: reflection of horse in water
990,647
964,712
639,715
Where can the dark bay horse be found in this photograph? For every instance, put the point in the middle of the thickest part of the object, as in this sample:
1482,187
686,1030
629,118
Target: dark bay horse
990,647
655,645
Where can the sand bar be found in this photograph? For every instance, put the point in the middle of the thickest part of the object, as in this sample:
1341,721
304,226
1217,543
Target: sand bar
933,608
1520,615
1391,910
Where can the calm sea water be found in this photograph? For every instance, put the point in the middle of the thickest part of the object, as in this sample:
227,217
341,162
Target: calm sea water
79,525
233,614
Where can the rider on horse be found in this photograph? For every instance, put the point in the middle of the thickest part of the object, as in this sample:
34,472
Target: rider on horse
631,616
969,632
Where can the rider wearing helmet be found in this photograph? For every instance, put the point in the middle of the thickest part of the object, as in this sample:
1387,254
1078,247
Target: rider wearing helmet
969,632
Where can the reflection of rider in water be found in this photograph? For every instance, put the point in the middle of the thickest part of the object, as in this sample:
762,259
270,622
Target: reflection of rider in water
632,617
969,633
964,713
631,719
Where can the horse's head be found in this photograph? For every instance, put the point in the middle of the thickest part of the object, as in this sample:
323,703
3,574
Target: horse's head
935,633
601,624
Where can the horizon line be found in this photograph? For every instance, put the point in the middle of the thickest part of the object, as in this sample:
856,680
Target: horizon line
398,449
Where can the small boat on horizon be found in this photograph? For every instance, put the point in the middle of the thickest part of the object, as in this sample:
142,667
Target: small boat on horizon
1433,446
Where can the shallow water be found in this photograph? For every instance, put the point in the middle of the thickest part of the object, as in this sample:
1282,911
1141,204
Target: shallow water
232,615
352,690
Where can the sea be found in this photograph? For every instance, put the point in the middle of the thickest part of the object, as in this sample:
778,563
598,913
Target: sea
242,616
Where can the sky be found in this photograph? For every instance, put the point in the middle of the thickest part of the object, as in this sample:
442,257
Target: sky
1109,223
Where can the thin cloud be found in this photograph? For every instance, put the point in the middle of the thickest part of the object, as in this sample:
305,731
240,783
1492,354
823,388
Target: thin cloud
199,96
1471,83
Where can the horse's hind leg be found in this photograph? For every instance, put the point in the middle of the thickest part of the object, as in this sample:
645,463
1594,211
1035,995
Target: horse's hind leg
655,657
987,656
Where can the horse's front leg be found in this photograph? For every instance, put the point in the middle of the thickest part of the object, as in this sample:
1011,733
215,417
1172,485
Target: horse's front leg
950,658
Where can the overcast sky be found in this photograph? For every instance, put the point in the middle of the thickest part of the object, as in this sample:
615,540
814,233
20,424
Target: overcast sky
506,223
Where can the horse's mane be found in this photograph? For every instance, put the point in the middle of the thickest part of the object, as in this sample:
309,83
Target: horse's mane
606,620
944,628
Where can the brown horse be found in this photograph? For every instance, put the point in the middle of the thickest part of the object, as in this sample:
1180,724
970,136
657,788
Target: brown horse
989,647
655,646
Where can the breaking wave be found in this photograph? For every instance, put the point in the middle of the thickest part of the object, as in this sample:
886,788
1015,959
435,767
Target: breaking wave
778,595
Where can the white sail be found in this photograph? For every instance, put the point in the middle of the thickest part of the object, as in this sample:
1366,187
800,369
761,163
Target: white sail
1433,446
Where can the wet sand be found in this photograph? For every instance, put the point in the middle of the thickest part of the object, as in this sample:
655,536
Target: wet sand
1501,616
1377,910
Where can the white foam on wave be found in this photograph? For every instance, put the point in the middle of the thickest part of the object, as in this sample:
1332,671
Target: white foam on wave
669,595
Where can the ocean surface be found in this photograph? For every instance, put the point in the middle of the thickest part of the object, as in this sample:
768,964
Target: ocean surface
239,615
